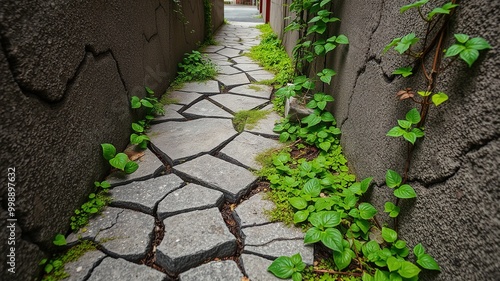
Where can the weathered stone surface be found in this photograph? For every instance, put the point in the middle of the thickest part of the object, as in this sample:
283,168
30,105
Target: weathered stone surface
256,268
252,211
216,57
212,48
217,270
243,59
222,63
248,66
261,75
233,79
236,102
245,147
184,98
193,237
183,139
122,232
263,234
149,166
295,110
226,69
171,113
233,180
120,269
278,248
189,198
266,125
143,196
254,90
80,269
207,109
205,87
229,52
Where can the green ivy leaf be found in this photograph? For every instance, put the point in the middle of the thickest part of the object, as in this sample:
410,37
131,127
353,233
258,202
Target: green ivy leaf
312,187
389,235
426,261
395,132
48,268
313,235
312,119
404,71
282,267
343,259
445,9
321,105
469,56
332,238
367,277
405,191
392,209
296,276
135,102
363,225
419,133
298,203
393,263
413,116
439,98
146,103
477,43
393,43
408,270
325,145
400,244
137,128
342,39
105,184
370,247
462,38
319,50
366,210
325,219
405,124
405,43
300,216
413,5
131,167
329,47
454,50
327,117
119,161
108,151
419,250
410,136
424,93
365,184
392,179
284,136
59,240
149,91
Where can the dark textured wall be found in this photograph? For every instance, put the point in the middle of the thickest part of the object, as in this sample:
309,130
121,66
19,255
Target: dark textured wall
455,170
67,72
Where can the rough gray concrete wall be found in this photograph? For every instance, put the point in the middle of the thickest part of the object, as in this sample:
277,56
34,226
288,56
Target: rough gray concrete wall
217,14
67,72
455,170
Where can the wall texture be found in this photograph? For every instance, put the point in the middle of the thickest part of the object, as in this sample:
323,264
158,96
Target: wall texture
455,170
67,72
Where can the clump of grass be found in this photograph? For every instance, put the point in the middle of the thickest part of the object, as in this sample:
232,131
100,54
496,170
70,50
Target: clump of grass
248,118
194,67
271,54
166,99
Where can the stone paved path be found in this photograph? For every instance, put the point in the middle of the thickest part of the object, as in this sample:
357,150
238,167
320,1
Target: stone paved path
172,219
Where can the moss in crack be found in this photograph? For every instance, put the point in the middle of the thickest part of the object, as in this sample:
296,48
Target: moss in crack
248,118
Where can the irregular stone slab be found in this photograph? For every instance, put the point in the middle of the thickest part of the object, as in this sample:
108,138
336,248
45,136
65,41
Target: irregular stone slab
232,80
218,174
236,103
220,63
80,269
120,269
277,248
226,69
193,237
212,49
143,196
171,113
189,198
259,91
252,211
243,59
205,87
214,57
248,66
183,139
121,232
245,147
238,46
216,270
228,52
256,268
261,75
263,234
266,125
184,98
149,166
207,109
